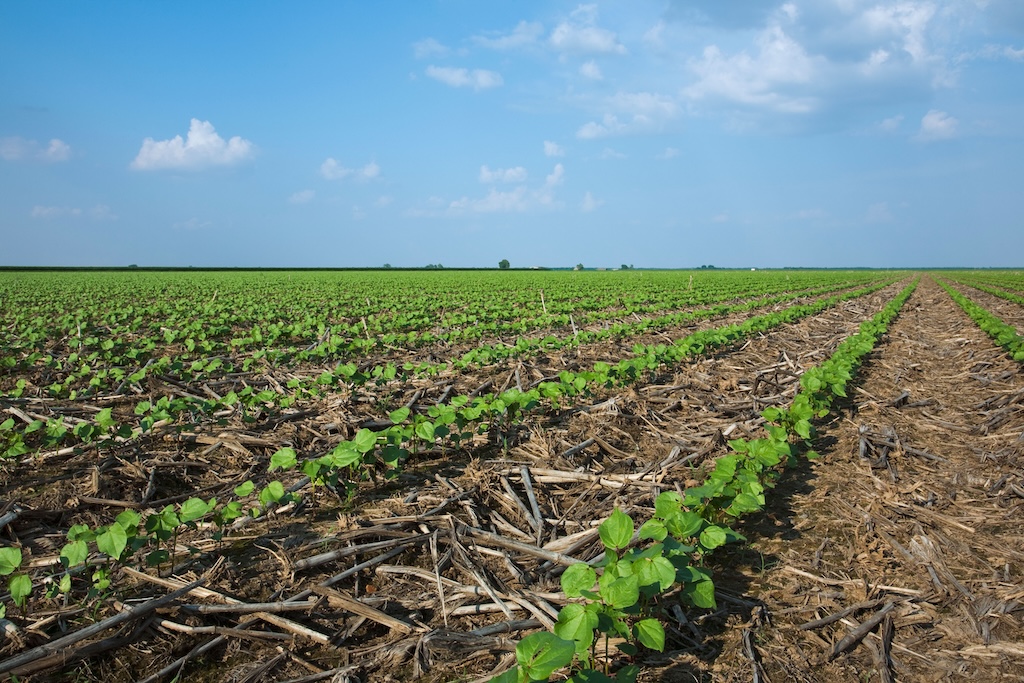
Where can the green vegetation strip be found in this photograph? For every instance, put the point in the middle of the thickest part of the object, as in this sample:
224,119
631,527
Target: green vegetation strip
626,597
1003,334
361,457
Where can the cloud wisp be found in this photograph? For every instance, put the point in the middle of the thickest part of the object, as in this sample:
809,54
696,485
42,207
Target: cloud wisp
477,79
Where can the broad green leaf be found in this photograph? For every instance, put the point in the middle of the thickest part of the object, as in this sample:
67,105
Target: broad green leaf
650,633
667,503
193,509
577,624
510,676
273,492
653,528
425,430
541,654
365,440
701,594
743,503
577,578
20,588
712,537
684,525
112,541
10,560
74,553
622,592
655,571
283,459
617,531
129,521
399,416
244,489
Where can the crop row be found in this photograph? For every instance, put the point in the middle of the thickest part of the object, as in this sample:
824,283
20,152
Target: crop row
1005,335
625,596
367,453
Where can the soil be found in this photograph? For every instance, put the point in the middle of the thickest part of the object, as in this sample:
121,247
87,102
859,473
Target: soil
910,515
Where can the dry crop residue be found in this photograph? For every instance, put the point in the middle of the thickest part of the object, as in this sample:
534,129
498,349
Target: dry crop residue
908,529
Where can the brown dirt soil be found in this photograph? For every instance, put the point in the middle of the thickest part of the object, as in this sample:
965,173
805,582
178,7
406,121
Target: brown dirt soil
912,514
437,573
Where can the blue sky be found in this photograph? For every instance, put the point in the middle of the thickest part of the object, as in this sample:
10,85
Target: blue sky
660,134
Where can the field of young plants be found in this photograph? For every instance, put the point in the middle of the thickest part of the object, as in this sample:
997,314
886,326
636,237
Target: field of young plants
511,476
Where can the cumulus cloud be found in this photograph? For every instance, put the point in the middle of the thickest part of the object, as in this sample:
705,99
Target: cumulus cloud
776,77
301,197
937,125
202,148
553,149
668,153
641,112
556,176
477,79
609,153
19,149
525,33
589,203
591,70
331,169
580,34
502,175
496,201
892,123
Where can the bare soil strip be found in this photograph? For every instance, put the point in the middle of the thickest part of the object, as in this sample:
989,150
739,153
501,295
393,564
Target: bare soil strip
900,554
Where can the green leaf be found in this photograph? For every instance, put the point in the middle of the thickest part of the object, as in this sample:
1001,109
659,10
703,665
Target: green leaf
653,528
74,554
743,503
399,416
273,492
10,560
129,521
510,676
20,587
244,489
541,654
193,509
622,592
576,623
283,459
684,525
365,440
712,537
656,570
104,418
577,578
617,531
701,594
425,430
668,503
650,633
112,541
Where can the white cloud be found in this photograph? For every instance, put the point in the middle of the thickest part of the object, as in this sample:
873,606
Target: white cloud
892,123
478,79
580,34
642,112
495,202
774,78
384,200
18,149
937,125
100,212
668,153
428,47
589,203
591,70
553,149
525,33
502,175
654,35
332,170
556,176
202,148
722,217
609,153
48,212
301,197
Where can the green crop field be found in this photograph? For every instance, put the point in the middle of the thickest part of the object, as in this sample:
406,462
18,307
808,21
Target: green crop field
291,446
